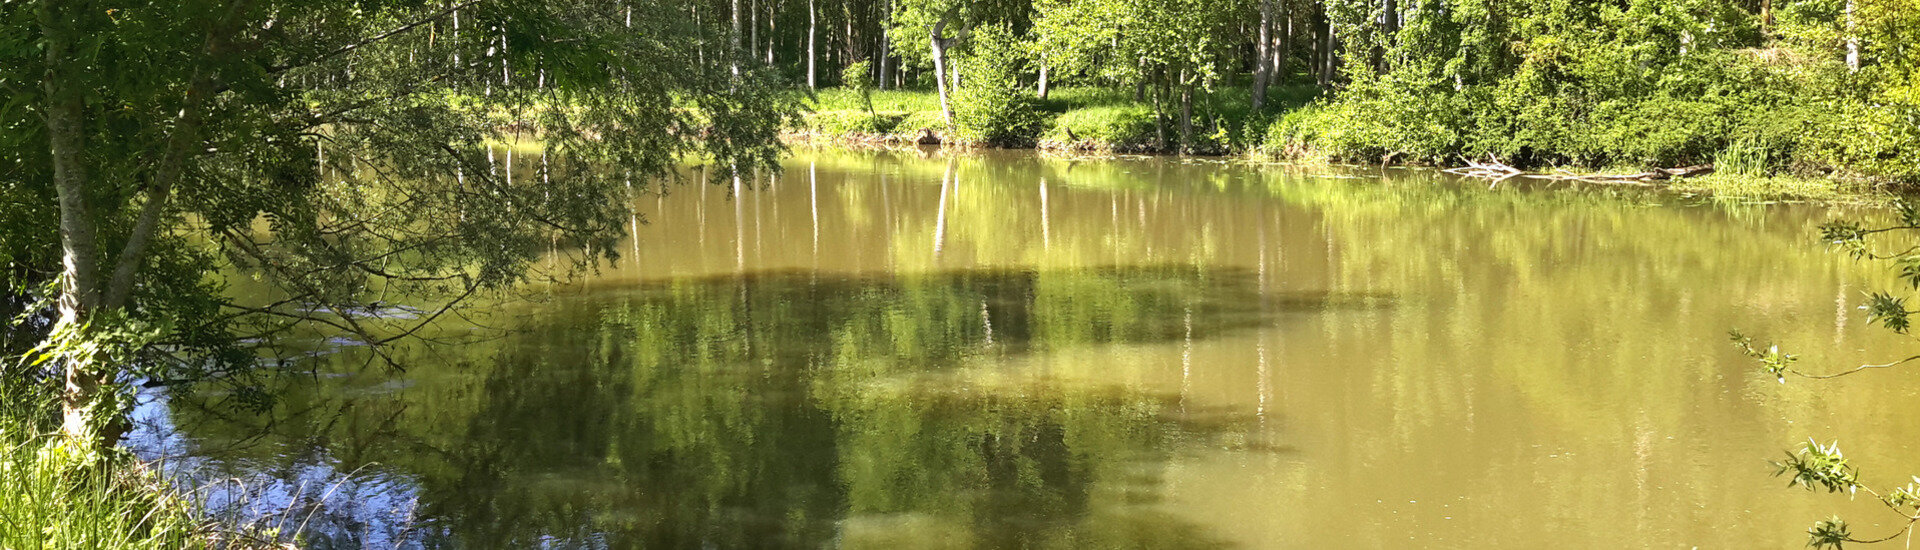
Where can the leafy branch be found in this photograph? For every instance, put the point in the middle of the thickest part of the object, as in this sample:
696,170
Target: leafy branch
1818,466
1823,466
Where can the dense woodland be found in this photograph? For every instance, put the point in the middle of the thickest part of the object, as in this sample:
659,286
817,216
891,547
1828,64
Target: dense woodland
1760,87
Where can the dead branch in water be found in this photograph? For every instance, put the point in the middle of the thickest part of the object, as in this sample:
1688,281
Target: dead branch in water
1493,169
1500,171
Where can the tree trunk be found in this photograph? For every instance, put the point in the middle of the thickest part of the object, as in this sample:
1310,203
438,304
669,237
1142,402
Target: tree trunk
1282,50
1329,55
1766,20
886,48
1263,60
1186,112
1853,39
813,26
80,288
939,46
1043,78
733,40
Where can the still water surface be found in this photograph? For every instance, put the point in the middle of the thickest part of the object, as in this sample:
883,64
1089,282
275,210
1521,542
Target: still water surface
998,350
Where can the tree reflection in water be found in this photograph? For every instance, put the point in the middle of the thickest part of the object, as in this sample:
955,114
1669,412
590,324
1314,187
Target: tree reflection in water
776,409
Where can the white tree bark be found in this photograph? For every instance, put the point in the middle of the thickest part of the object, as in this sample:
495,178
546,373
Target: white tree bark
1853,39
813,29
733,40
939,44
1263,59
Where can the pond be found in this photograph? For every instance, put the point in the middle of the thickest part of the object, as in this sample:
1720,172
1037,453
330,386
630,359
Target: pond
915,349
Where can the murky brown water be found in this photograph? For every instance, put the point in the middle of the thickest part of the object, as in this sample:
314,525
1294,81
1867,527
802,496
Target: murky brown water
998,350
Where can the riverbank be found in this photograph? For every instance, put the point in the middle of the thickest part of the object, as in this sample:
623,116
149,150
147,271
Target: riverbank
1076,119
62,496
1294,128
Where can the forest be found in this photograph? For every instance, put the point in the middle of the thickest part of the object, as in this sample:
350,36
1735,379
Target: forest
1756,88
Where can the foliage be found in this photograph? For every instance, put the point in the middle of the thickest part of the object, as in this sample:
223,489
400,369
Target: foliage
1821,466
992,108
336,151
919,121
851,123
1644,82
855,78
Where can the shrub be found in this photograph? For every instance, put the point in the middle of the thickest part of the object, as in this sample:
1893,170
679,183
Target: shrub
856,78
990,107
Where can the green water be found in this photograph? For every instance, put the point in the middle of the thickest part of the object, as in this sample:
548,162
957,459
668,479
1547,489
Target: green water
997,350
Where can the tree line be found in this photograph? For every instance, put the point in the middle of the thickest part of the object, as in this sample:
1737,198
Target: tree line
1584,82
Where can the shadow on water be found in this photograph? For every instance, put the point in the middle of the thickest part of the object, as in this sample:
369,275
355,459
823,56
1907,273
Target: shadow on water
775,409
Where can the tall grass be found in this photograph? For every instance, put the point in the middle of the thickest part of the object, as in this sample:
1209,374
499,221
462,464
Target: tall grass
59,496
1745,156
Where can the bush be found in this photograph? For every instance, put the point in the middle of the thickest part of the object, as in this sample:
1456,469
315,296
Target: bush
856,77
990,107
1326,130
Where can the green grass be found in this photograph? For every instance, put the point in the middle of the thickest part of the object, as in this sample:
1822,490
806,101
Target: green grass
884,101
1111,127
1074,117
60,497
57,496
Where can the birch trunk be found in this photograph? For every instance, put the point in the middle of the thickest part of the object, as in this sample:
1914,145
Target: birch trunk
813,29
733,39
80,289
938,44
1043,78
1263,59
1853,39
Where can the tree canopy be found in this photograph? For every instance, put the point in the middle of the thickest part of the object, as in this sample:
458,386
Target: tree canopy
339,151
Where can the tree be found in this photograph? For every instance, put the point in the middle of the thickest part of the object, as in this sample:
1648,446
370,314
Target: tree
339,151
942,27
1170,48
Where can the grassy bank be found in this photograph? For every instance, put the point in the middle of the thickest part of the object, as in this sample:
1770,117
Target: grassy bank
1069,119
58,496
1298,127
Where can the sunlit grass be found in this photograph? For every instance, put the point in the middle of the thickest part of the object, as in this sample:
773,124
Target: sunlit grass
55,495
59,497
